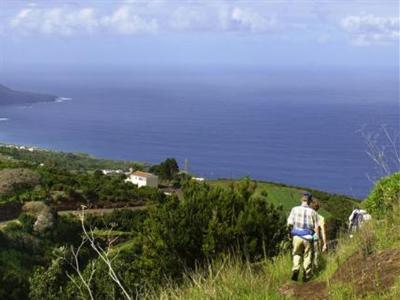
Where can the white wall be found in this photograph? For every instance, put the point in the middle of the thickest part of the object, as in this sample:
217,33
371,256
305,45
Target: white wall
143,181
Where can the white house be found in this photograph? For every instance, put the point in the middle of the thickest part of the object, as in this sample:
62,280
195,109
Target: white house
143,179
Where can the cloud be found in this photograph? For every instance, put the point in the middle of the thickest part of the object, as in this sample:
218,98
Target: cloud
55,21
368,29
187,18
247,19
240,19
220,18
137,17
133,17
124,21
67,21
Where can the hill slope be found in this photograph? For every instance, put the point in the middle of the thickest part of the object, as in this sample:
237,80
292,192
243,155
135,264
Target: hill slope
335,208
12,97
366,266
172,236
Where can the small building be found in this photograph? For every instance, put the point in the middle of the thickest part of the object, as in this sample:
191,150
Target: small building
199,179
111,172
143,179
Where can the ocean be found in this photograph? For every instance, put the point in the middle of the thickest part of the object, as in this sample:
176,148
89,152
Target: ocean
295,126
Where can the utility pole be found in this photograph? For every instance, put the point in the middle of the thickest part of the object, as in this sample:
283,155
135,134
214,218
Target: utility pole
186,166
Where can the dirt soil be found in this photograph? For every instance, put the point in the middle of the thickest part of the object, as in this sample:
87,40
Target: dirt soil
374,273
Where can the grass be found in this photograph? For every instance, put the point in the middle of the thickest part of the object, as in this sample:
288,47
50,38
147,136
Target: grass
277,194
126,246
231,278
110,233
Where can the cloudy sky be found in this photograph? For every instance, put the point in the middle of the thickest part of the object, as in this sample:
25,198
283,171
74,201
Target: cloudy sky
172,32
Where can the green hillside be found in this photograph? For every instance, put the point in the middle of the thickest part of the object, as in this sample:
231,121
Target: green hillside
277,194
335,208
12,155
222,239
365,265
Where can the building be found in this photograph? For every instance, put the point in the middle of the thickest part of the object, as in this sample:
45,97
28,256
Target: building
112,172
143,179
199,179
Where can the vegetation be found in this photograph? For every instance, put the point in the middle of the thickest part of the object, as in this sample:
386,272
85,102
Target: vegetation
70,161
385,196
335,208
223,239
166,170
67,189
364,266
176,236
15,181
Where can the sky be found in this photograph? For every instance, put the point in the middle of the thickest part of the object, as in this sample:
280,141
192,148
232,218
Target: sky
266,33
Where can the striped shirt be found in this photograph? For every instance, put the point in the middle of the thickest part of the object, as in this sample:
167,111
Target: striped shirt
303,217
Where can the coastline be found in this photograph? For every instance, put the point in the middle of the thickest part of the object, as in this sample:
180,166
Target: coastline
33,149
55,99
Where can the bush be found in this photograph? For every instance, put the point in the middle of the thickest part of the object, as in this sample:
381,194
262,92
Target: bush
14,181
384,196
209,222
27,221
44,216
123,220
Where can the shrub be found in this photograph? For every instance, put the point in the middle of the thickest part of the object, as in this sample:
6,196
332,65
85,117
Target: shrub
384,196
16,180
44,215
27,222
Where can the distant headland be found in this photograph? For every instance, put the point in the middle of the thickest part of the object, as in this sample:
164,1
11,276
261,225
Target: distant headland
12,97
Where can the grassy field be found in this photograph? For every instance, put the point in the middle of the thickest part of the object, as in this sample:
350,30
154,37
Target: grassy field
277,194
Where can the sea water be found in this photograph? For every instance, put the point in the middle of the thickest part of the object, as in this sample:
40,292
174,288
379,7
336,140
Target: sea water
296,126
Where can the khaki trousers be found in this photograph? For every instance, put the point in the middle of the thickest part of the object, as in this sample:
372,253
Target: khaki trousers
316,256
302,252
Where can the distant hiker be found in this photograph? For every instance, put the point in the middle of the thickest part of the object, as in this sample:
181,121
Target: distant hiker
319,237
354,220
357,218
303,223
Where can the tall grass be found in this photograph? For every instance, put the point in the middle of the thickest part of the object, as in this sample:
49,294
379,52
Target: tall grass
231,278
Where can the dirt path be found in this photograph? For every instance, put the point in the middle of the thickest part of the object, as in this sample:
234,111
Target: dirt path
375,273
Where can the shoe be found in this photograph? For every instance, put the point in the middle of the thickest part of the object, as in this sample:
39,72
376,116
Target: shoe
295,275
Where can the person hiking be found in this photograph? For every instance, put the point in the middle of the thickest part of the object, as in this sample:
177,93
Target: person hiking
357,218
302,223
319,237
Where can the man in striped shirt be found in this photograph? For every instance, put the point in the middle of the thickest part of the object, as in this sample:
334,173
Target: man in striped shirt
303,223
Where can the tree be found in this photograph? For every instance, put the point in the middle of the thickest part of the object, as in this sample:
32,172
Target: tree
208,222
262,228
167,170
